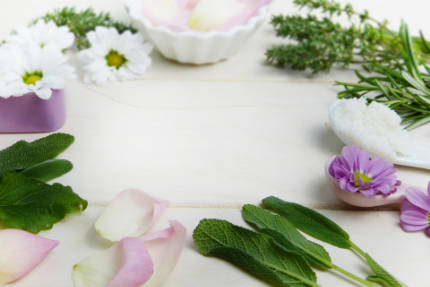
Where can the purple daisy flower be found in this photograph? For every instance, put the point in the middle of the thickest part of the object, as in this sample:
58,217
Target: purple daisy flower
355,171
416,210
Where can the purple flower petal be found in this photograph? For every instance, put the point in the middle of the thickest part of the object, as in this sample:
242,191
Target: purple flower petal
348,156
407,206
428,189
363,159
414,217
411,228
428,231
418,198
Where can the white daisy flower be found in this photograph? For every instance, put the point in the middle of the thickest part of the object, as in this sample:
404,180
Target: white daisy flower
114,56
42,34
33,70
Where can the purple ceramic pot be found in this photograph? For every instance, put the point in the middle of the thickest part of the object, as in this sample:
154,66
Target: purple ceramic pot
31,114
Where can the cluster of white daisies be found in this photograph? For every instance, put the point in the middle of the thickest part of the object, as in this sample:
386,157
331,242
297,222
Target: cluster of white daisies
35,59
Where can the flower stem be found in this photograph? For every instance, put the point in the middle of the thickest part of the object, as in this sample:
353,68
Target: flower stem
352,276
358,250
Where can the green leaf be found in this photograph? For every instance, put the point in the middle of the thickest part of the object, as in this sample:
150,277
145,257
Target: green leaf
253,252
286,235
309,221
23,154
48,170
34,206
382,276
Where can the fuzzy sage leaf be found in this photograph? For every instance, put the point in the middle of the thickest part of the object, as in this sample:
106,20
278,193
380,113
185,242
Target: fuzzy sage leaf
318,226
310,221
35,206
48,170
253,252
23,155
286,235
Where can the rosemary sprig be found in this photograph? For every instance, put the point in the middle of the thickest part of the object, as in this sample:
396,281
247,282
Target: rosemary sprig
405,89
80,23
319,42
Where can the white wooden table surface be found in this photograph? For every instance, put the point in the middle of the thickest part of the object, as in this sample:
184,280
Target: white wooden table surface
210,139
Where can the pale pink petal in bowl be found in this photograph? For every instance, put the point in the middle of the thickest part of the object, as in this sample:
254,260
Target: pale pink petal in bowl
169,13
130,214
165,248
126,264
251,10
21,252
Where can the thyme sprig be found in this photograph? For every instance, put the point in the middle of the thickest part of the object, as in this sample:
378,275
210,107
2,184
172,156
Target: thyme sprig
81,22
319,42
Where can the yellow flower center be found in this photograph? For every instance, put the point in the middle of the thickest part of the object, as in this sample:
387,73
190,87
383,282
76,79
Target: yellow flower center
32,78
364,178
115,59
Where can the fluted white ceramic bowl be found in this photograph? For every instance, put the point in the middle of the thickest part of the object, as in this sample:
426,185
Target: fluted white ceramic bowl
195,47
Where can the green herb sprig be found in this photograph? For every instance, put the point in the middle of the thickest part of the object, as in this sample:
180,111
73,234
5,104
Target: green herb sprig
319,42
405,89
277,252
27,201
82,22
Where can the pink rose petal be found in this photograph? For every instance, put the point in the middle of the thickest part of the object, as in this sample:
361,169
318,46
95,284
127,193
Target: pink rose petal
137,265
165,248
132,261
130,214
21,252
126,264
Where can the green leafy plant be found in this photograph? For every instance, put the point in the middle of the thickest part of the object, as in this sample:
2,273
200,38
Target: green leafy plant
80,23
27,201
276,246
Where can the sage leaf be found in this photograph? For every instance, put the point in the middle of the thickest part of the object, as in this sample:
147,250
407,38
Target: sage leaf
382,277
34,206
48,170
309,221
23,154
286,235
253,252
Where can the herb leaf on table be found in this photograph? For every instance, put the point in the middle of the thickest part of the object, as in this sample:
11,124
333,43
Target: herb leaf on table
48,170
23,155
286,235
309,221
35,206
320,227
255,253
